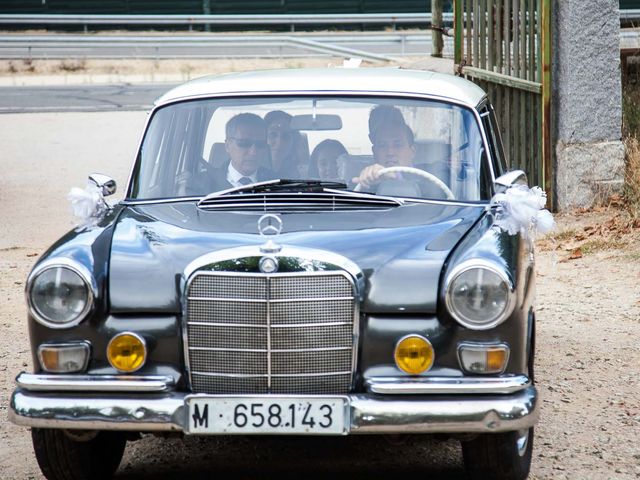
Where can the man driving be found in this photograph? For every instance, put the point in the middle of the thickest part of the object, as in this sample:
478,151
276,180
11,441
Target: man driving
393,145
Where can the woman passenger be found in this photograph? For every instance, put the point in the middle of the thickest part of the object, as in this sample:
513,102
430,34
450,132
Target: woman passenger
281,140
323,163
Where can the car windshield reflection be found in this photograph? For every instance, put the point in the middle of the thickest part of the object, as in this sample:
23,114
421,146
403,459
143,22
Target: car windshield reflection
387,146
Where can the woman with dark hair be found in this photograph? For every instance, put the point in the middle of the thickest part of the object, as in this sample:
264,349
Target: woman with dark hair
282,144
323,163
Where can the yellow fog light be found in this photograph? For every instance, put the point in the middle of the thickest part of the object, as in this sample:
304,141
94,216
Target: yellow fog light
479,358
414,354
127,352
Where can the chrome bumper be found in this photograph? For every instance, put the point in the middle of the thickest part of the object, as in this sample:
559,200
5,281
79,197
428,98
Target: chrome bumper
139,409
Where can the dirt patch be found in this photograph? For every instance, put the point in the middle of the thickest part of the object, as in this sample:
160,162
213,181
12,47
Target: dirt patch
187,68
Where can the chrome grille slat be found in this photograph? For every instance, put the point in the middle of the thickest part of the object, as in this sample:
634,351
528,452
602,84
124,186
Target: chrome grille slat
227,286
309,287
304,337
205,384
241,337
223,362
225,311
292,333
309,362
312,385
311,312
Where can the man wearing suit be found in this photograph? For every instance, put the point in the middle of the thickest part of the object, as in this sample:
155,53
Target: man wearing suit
246,144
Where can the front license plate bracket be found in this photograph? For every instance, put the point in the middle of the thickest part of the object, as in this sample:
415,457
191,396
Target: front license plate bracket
267,415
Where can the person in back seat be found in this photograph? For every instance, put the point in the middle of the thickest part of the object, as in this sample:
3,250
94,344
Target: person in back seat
323,164
282,142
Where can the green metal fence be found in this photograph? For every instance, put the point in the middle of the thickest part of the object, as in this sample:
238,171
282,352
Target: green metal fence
504,46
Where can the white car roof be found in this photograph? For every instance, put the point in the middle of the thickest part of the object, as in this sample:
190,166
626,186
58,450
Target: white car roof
328,80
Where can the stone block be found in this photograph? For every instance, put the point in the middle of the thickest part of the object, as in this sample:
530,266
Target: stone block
587,173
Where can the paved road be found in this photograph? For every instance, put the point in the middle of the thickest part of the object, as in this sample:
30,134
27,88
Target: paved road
90,98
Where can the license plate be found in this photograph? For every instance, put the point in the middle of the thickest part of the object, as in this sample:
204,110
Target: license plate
269,415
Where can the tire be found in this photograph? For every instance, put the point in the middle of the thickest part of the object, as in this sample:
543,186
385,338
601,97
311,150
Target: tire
499,455
77,455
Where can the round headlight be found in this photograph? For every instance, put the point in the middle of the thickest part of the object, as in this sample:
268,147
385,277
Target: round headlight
479,296
59,296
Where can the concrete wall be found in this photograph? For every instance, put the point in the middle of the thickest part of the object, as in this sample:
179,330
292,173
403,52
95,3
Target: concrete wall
587,101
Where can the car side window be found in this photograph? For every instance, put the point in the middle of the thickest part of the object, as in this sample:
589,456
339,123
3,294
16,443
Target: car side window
490,126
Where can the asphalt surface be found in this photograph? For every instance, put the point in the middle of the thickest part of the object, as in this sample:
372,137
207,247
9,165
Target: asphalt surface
89,98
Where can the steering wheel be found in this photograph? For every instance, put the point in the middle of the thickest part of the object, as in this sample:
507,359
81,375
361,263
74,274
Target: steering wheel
421,173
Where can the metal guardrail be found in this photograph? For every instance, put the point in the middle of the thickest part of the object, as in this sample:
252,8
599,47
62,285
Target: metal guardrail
381,46
292,19
629,18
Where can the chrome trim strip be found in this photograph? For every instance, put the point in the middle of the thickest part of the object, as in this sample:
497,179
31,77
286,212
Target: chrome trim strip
287,251
447,385
367,414
270,375
280,300
315,324
222,299
268,326
94,383
273,350
311,299
217,349
218,324
135,203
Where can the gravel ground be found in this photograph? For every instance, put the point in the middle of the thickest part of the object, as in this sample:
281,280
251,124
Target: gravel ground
588,325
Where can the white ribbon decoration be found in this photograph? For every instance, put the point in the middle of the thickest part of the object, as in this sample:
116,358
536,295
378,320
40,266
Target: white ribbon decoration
88,205
520,209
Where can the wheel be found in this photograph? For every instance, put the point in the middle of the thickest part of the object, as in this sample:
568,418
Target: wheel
77,455
499,455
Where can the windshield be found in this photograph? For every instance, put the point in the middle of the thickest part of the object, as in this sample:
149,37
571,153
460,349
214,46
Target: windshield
387,146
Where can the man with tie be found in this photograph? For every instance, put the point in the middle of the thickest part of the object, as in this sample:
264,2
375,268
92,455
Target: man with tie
246,144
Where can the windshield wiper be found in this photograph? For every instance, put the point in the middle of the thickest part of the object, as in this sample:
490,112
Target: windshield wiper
279,185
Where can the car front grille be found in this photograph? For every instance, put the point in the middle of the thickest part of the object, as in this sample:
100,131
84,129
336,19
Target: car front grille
278,333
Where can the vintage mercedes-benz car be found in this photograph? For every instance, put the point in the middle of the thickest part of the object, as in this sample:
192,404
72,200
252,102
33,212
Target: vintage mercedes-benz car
298,252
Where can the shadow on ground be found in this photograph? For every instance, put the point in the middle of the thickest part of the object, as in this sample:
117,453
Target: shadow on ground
243,458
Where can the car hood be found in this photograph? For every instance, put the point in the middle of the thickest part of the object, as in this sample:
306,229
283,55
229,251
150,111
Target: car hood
400,250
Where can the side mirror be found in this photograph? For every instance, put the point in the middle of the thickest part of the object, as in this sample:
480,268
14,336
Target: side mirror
509,179
104,182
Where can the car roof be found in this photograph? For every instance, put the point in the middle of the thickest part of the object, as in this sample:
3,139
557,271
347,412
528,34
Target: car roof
327,80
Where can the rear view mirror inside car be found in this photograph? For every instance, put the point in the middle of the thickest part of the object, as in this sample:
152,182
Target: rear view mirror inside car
316,122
